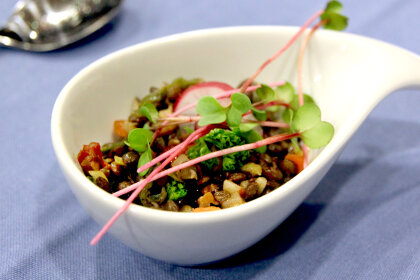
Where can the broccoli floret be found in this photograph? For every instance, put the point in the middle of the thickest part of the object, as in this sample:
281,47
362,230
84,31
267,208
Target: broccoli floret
175,190
234,161
223,139
200,149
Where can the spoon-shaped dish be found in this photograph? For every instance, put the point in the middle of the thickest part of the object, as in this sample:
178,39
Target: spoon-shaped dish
46,25
346,74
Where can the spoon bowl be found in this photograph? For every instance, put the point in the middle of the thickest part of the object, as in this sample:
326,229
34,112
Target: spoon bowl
46,25
347,75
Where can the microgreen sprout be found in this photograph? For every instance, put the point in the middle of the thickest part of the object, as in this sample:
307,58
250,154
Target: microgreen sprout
139,139
314,132
210,110
266,93
240,105
149,111
260,115
332,17
145,158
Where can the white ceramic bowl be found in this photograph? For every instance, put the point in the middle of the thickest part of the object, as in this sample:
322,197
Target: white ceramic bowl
339,69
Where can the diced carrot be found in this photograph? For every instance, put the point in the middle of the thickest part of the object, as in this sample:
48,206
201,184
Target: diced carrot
205,209
297,160
120,128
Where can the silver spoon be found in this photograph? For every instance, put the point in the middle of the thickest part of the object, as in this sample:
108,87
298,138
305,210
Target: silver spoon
46,25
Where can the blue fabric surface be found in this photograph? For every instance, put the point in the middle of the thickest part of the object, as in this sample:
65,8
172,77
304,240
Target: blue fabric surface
361,222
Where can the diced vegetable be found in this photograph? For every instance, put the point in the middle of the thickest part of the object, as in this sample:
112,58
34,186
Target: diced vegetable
205,209
188,173
235,194
122,128
206,200
262,183
297,160
252,168
96,174
90,157
118,160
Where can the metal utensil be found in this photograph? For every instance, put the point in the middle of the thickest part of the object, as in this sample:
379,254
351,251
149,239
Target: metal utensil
46,25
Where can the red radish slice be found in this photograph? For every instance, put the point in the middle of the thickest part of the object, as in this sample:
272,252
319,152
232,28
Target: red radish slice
195,92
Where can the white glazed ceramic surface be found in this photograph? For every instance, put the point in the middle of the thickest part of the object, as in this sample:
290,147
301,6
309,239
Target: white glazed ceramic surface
340,70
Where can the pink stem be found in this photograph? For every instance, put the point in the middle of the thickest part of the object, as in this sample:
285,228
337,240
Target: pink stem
127,203
305,151
271,124
282,50
162,125
300,61
181,119
274,103
299,78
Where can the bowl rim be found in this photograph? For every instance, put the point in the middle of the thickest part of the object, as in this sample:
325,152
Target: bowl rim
69,164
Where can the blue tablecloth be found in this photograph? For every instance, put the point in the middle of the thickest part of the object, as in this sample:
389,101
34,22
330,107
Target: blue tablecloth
361,222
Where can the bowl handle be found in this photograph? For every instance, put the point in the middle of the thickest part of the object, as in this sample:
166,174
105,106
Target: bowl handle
406,68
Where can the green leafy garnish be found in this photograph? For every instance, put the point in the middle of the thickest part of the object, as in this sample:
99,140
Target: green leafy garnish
210,110
333,18
259,114
314,132
245,127
149,111
145,158
241,102
234,117
139,139
266,93
175,190
240,105
294,104
287,115
306,117
334,7
318,136
285,92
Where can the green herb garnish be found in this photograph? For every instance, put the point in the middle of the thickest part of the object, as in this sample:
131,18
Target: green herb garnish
149,111
210,110
333,18
240,105
314,132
